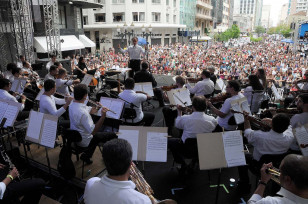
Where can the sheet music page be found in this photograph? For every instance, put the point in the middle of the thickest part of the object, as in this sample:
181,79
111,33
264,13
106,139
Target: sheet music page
3,107
233,146
116,105
148,88
49,133
275,91
245,106
239,118
34,125
132,136
220,83
10,115
185,96
177,99
15,85
38,97
301,136
21,87
156,147
138,87
87,79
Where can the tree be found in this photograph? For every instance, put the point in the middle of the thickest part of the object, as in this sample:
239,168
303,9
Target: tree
259,30
233,32
280,29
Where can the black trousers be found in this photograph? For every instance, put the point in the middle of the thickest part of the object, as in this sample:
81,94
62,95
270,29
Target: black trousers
99,137
147,119
22,115
135,66
181,150
170,116
30,189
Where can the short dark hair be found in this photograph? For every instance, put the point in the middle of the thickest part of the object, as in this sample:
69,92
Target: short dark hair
134,38
144,65
296,167
304,98
235,85
52,56
53,68
49,84
11,66
199,103
21,56
62,71
280,122
207,74
129,83
117,156
56,63
4,82
80,91
180,80
15,70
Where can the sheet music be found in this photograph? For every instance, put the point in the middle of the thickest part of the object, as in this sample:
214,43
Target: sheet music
49,133
138,87
3,107
148,88
10,115
233,146
275,91
34,125
301,136
156,147
87,79
38,97
240,105
116,106
132,136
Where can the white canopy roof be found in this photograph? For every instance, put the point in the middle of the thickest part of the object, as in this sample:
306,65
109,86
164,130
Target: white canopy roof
201,38
70,42
86,41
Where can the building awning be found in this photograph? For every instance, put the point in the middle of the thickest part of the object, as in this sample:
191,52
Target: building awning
69,42
202,38
86,41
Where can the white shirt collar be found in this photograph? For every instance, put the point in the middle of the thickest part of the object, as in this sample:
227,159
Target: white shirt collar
285,193
117,184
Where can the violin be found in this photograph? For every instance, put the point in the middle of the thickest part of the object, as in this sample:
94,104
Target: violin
193,80
290,111
94,82
220,98
168,88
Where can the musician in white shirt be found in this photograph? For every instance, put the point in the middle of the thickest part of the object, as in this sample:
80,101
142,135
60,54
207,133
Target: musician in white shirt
197,122
53,72
80,120
204,87
21,61
53,59
63,84
8,73
115,188
293,180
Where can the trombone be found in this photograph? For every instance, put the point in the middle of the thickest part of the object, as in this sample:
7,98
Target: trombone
275,174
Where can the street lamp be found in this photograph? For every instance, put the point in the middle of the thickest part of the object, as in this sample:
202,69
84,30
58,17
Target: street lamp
146,34
126,32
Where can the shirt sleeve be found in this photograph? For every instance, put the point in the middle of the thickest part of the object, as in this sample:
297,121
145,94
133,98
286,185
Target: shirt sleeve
194,90
226,107
124,51
142,97
254,199
179,122
52,108
250,135
59,101
87,122
2,189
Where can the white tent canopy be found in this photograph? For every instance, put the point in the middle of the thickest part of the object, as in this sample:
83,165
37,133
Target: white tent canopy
201,38
86,41
70,42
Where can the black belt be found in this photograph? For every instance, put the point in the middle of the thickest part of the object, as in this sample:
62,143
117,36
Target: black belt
134,60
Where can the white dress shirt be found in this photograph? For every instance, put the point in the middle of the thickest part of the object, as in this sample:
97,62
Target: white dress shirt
80,120
7,96
2,189
135,98
62,85
226,107
255,97
8,75
196,123
204,87
108,191
134,52
48,65
19,64
269,142
49,76
48,105
288,198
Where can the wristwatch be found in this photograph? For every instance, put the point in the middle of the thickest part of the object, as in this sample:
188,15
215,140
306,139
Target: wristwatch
262,183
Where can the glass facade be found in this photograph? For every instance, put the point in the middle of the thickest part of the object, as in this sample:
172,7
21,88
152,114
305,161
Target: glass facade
188,13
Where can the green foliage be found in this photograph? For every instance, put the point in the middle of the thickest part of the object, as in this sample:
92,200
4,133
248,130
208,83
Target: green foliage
256,39
280,29
259,30
233,32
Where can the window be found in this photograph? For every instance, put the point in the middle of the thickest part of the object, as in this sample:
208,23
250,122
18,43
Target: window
97,41
100,17
78,18
174,19
174,3
135,1
85,20
141,1
155,17
135,15
167,18
118,17
138,16
62,19
167,2
118,1
155,1
141,16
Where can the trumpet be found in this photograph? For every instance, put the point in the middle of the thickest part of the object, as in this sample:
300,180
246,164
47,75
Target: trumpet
275,174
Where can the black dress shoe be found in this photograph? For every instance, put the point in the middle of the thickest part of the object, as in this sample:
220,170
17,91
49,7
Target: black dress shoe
86,159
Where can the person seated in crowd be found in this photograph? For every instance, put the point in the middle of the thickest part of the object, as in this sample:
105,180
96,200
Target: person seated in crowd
276,141
145,76
53,72
303,85
80,120
115,188
293,180
5,87
135,100
30,189
8,73
204,87
20,62
196,123
254,93
63,84
53,59
16,73
225,114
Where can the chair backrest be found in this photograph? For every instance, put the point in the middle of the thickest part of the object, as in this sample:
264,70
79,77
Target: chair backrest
129,113
70,136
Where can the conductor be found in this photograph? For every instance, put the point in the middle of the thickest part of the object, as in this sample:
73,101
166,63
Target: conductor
134,52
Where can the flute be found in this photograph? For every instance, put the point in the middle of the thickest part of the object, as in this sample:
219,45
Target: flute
21,95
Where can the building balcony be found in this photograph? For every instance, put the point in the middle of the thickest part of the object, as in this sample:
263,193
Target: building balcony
204,5
202,16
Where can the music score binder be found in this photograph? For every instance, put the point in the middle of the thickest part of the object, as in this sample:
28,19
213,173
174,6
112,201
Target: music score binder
148,143
301,135
179,97
87,79
113,104
220,150
42,129
240,105
9,110
18,85
144,87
